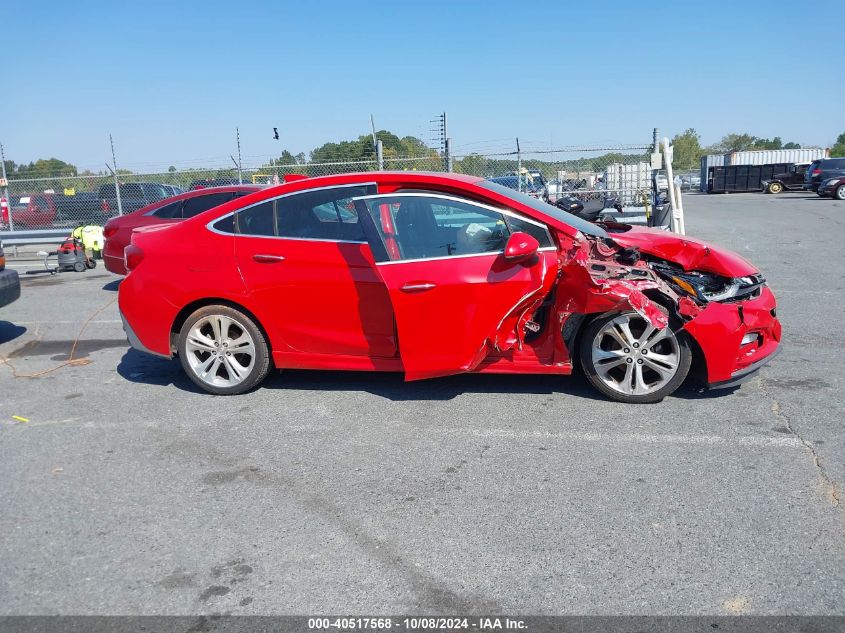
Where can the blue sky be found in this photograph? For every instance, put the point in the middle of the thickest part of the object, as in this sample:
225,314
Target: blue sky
172,80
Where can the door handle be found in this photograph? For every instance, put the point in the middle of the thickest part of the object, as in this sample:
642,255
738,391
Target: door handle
418,286
262,258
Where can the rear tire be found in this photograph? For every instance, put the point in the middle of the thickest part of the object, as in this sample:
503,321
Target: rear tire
223,351
628,360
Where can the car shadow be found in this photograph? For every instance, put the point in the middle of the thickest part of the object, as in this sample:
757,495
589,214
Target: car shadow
392,386
9,331
143,368
696,390
147,369
113,286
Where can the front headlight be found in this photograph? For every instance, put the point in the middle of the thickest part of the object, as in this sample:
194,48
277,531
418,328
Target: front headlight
706,287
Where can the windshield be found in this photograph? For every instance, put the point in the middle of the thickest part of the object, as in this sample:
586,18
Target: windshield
546,209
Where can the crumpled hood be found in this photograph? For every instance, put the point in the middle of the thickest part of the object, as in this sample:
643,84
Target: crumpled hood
689,253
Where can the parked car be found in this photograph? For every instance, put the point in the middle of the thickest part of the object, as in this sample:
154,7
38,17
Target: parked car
439,274
791,180
833,187
118,231
690,183
535,189
32,210
821,170
133,196
10,283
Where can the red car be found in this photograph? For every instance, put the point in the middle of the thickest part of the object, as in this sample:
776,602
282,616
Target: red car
32,210
118,231
438,274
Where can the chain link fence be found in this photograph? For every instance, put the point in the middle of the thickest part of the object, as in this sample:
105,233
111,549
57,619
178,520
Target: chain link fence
621,172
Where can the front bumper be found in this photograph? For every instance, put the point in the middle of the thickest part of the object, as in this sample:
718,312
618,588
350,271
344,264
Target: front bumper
719,330
741,375
10,286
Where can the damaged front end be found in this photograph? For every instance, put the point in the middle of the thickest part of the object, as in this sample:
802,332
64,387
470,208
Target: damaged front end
716,297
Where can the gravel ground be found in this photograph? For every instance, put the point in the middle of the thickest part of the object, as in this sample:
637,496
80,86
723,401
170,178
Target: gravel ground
128,492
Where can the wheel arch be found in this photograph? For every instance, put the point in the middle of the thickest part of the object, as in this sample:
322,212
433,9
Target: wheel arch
572,339
189,309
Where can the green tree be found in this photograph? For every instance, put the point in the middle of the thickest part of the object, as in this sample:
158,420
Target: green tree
171,169
687,150
286,158
45,167
838,148
791,145
734,143
764,143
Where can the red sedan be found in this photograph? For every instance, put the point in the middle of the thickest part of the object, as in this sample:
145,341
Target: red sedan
438,274
118,231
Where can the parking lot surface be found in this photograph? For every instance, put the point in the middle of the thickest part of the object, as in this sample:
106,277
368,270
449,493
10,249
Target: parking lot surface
129,492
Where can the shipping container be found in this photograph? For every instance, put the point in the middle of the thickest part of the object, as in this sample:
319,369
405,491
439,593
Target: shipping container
763,158
711,160
772,156
741,178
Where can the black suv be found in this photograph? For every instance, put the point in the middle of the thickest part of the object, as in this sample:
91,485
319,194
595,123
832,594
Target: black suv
822,169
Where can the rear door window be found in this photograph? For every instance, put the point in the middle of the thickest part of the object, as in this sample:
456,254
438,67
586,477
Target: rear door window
322,214
256,220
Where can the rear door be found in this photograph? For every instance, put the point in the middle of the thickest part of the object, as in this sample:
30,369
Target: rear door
311,276
454,296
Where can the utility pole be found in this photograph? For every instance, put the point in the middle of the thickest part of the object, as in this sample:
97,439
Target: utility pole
6,189
442,138
518,166
116,181
238,138
380,155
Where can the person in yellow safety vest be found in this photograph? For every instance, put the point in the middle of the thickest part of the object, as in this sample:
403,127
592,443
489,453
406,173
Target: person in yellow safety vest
91,237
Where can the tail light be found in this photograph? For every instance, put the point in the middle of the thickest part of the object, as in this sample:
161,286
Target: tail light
106,207
817,172
4,210
2,262
109,229
132,256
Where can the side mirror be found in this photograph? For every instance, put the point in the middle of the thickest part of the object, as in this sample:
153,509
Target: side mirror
520,247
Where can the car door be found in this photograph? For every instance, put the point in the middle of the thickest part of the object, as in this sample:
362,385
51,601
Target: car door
454,295
309,271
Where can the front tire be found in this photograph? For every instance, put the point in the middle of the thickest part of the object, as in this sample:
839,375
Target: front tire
223,351
775,187
839,194
629,360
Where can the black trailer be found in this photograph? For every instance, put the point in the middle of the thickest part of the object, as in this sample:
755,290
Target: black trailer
738,178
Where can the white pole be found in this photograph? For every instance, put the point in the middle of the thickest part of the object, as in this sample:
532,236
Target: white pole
674,193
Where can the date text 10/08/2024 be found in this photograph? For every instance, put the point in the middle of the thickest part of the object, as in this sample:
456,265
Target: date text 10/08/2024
417,624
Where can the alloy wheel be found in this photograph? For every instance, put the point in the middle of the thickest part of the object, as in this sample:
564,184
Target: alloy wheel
220,351
633,357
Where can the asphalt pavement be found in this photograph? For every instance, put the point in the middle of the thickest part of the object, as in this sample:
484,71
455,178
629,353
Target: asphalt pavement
126,491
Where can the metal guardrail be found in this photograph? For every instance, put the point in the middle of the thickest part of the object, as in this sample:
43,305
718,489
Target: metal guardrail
43,236
14,239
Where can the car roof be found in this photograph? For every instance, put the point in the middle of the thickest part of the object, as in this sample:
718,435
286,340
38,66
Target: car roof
444,182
